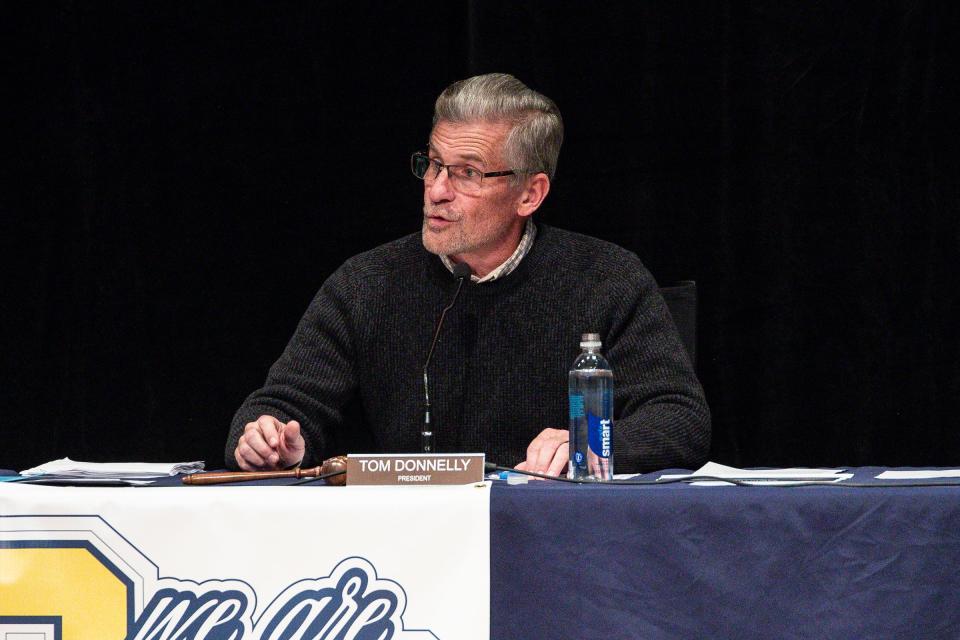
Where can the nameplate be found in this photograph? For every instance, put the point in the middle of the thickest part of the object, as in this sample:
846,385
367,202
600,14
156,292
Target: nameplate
415,468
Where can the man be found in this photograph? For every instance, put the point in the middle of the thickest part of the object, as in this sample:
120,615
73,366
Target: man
499,373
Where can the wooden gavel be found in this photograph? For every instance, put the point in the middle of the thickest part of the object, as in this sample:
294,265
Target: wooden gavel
335,468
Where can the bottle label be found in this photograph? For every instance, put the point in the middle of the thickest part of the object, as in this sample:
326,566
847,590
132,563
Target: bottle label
598,433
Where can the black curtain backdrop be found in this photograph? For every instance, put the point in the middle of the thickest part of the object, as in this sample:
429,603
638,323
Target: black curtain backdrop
182,177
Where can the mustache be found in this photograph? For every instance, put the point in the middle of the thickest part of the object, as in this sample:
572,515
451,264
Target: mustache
447,214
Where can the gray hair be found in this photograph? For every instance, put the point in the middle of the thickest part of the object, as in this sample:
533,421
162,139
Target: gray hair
533,144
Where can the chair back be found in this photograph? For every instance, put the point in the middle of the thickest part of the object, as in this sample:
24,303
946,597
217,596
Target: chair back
681,300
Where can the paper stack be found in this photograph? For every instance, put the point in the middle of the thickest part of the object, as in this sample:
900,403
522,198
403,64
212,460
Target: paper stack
110,472
759,476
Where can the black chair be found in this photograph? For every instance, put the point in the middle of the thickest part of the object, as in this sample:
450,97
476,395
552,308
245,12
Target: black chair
681,300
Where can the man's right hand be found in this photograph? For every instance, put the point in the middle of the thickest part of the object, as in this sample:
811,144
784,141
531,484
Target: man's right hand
269,444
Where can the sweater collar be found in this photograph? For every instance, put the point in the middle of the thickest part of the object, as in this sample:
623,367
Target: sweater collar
543,251
508,265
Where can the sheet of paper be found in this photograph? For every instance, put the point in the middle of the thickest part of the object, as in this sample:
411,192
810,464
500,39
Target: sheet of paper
75,481
919,474
760,476
144,470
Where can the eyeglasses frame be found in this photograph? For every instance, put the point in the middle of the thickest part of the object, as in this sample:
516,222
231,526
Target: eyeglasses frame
483,174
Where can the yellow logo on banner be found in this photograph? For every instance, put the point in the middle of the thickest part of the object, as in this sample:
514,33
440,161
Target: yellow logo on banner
64,579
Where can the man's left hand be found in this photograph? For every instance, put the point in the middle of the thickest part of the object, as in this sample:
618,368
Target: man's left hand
548,453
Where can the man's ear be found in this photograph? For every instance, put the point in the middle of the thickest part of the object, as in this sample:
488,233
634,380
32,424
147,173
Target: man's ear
533,194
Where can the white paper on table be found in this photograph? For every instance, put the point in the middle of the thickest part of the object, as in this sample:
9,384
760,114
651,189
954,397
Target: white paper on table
919,474
68,467
79,481
760,476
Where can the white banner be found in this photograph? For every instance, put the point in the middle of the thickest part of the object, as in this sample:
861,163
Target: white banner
264,563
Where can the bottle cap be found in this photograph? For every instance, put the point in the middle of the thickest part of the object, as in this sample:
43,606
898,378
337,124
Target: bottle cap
590,340
514,478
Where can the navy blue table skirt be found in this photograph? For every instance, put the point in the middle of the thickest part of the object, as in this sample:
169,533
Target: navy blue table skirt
681,561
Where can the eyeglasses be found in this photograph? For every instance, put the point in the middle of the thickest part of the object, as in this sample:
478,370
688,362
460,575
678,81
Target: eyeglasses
463,177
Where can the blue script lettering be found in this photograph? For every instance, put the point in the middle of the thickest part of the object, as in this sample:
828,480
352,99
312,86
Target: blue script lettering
183,615
345,611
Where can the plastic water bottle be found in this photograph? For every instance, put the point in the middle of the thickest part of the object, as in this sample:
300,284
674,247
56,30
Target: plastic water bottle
591,413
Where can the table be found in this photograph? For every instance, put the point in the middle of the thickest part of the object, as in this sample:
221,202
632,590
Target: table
680,561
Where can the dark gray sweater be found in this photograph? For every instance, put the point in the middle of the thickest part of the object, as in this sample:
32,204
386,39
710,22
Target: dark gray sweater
352,373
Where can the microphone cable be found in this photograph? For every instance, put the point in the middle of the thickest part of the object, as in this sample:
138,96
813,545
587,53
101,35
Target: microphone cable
461,271
317,478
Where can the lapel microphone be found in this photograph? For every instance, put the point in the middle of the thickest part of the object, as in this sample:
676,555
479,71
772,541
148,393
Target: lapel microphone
462,272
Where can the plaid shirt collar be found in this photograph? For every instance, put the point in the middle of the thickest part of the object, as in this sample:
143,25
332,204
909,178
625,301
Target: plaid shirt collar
508,265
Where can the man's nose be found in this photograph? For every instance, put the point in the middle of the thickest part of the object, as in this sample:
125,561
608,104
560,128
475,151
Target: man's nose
440,190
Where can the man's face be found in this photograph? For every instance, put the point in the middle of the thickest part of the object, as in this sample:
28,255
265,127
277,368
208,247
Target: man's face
475,228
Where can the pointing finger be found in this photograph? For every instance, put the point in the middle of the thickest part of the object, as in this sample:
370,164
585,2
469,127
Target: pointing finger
290,432
270,427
